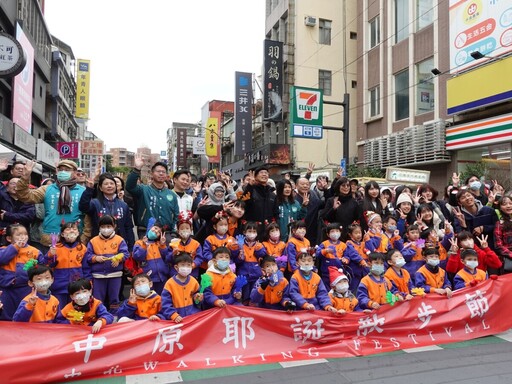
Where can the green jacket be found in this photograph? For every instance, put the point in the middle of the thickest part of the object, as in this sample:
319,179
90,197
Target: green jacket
162,204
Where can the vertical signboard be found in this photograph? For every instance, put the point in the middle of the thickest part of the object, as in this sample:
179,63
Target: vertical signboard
181,147
243,113
23,86
212,137
306,108
273,81
478,25
82,88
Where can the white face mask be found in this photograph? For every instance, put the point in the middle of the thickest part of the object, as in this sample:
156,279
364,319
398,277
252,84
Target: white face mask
306,268
400,262
251,236
274,236
82,298
106,232
342,287
184,234
300,233
222,230
184,271
71,237
142,290
334,236
43,285
472,264
433,262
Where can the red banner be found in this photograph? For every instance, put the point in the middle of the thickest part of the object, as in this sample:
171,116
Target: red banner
239,335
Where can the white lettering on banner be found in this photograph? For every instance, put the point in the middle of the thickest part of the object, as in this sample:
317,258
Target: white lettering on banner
113,370
314,354
425,313
310,330
477,304
168,337
72,374
150,365
368,325
182,364
237,359
90,344
232,333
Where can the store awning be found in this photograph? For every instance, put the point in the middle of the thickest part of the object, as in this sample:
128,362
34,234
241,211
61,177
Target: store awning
12,156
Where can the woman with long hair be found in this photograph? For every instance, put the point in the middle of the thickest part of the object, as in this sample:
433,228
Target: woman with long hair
289,209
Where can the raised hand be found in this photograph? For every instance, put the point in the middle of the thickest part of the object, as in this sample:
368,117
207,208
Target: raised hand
336,203
250,178
133,297
455,179
483,241
138,161
403,216
4,164
305,199
454,247
33,297
311,168
29,166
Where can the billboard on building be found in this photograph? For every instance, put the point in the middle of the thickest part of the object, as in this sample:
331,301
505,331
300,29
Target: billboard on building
306,111
198,146
243,112
82,88
273,81
478,25
92,147
212,134
181,147
23,86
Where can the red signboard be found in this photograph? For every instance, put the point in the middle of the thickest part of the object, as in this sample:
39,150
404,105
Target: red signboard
68,150
238,335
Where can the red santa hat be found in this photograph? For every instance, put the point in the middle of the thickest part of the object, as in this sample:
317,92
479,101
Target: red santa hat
336,275
185,217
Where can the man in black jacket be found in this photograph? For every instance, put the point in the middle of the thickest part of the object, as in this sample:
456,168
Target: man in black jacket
261,205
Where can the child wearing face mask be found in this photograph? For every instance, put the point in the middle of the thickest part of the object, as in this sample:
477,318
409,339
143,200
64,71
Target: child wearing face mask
181,296
106,254
307,290
220,238
151,253
84,309
274,246
271,289
66,257
470,275
373,288
398,275
40,306
247,262
331,252
13,276
222,290
431,277
187,244
358,255
375,240
296,244
341,297
143,303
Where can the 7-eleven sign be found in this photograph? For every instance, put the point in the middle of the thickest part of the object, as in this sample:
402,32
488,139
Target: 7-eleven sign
306,112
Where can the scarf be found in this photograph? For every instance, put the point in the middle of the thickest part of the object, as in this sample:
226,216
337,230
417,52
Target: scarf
64,205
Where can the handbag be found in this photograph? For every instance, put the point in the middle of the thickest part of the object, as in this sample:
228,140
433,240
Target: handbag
507,264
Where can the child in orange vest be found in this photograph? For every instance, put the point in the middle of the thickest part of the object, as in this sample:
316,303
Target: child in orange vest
373,288
40,306
143,304
398,275
274,246
296,244
187,244
431,277
470,275
341,297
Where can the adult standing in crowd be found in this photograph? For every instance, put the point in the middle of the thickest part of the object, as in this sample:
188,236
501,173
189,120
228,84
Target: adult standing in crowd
289,209
313,204
342,208
60,199
107,203
181,182
261,207
12,210
153,200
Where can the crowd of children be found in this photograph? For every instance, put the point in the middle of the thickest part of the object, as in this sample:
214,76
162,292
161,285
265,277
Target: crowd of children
387,263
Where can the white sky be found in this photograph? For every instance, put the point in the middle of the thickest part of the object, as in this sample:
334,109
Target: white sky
155,62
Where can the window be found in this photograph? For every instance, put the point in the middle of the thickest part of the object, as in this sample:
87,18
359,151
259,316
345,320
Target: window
424,13
401,20
374,94
402,95
353,35
425,96
325,81
374,31
325,32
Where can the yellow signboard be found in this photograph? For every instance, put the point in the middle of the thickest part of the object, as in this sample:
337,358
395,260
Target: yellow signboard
212,136
82,89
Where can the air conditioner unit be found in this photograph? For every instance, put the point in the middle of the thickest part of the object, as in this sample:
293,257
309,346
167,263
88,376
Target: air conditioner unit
310,21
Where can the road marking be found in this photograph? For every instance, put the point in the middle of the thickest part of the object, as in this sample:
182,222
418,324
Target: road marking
507,335
290,364
153,378
422,349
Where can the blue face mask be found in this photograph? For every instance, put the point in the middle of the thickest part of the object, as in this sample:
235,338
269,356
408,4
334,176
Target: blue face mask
222,264
392,228
63,175
152,235
377,269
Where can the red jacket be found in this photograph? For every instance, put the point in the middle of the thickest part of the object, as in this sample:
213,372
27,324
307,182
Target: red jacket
487,258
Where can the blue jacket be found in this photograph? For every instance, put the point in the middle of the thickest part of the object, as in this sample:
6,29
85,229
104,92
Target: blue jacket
152,258
116,208
15,210
108,248
162,204
12,261
52,221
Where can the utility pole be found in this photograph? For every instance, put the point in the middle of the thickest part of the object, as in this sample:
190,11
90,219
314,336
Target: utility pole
346,123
